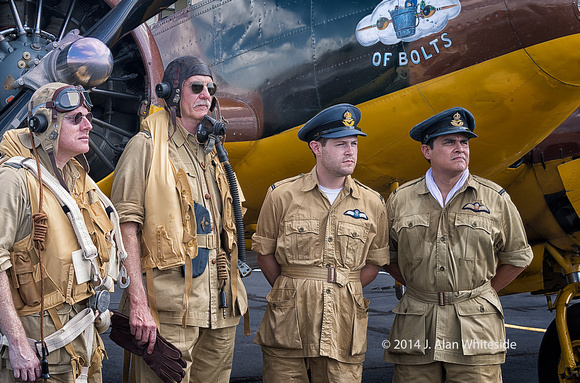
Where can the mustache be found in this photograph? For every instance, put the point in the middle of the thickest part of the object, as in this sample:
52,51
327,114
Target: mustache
202,103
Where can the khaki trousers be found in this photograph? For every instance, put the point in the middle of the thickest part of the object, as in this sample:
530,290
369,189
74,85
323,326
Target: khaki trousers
295,370
439,372
208,353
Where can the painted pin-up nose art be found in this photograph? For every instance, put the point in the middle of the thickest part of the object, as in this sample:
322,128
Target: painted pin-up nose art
395,20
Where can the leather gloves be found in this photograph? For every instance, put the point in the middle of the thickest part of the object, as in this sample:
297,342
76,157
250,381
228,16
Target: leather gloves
165,360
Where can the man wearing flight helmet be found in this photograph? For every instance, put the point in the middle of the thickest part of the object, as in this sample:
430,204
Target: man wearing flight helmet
40,269
177,222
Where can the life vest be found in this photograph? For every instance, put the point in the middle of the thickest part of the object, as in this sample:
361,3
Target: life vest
60,284
168,239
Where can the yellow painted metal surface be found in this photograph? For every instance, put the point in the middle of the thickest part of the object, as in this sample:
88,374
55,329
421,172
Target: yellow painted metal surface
515,104
570,174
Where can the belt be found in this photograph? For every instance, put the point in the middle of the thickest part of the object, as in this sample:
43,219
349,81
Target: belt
207,241
339,275
443,298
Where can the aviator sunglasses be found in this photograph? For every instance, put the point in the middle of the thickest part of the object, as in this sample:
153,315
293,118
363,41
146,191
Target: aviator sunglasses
78,117
197,87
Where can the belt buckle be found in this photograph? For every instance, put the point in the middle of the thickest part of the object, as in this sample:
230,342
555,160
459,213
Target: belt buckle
441,298
331,275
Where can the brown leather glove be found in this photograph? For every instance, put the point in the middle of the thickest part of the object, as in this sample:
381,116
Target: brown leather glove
165,360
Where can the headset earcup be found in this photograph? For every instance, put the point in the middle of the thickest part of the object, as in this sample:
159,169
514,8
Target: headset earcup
38,123
163,90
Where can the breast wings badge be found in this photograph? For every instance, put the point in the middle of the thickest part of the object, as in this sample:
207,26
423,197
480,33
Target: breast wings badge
357,214
476,207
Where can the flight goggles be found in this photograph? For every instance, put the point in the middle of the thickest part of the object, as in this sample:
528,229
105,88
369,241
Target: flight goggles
66,99
197,87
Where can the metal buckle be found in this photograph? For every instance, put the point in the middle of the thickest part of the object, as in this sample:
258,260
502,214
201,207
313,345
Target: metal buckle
441,298
331,275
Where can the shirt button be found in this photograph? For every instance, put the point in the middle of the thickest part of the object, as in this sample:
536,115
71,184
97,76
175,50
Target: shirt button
213,261
328,291
410,224
183,191
442,268
190,244
481,309
354,234
442,239
187,217
301,229
328,265
329,239
207,196
474,224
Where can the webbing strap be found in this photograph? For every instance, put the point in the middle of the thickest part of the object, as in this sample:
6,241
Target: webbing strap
74,214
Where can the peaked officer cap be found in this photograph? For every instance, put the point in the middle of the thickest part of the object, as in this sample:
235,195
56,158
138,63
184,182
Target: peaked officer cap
450,121
333,122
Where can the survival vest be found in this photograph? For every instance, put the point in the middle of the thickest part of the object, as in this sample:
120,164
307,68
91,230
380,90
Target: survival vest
61,285
167,241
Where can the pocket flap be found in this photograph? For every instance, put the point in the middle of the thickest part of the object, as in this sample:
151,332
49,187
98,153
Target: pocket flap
411,221
477,306
410,307
302,226
352,230
473,221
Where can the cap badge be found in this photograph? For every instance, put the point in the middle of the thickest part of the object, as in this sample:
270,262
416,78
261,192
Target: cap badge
347,119
457,121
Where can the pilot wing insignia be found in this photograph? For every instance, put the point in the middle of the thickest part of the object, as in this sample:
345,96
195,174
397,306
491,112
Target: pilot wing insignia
356,213
476,207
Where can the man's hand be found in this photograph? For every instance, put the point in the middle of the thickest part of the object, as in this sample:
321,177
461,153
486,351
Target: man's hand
23,359
143,326
25,363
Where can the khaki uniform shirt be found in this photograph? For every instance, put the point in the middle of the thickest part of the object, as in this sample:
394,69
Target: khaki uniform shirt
310,317
128,196
452,249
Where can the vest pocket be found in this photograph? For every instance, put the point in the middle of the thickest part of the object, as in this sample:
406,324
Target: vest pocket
482,327
279,327
301,238
359,331
407,334
23,272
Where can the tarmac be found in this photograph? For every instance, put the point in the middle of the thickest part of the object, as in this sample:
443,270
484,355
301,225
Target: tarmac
526,318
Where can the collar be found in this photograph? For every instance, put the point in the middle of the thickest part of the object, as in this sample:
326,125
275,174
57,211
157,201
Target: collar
311,182
421,186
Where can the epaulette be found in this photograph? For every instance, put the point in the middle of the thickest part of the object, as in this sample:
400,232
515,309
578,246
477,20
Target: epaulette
408,184
489,184
369,189
285,181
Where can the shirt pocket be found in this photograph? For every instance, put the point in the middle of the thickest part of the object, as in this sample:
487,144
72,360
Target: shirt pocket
301,238
408,334
359,330
279,327
482,326
473,236
412,236
351,238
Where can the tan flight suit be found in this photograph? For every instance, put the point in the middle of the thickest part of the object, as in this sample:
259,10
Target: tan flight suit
207,340
63,296
448,257
308,316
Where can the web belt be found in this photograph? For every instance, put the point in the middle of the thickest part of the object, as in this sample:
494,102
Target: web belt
339,275
444,298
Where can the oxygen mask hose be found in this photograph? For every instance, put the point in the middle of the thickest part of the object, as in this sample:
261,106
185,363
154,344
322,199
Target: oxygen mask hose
213,137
